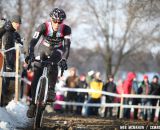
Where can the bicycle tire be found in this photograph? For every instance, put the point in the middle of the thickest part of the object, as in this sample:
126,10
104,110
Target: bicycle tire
38,117
39,107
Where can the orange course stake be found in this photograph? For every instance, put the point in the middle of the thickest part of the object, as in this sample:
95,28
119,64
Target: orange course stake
16,75
1,66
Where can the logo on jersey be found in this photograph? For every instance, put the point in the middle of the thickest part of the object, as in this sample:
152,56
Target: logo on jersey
36,34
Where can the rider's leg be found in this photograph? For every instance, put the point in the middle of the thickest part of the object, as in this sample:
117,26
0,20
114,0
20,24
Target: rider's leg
32,107
37,73
52,78
53,74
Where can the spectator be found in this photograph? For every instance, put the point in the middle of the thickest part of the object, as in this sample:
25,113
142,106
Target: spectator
134,101
71,82
95,84
144,89
81,95
9,35
110,86
27,76
155,90
24,76
127,85
90,76
59,94
30,75
119,90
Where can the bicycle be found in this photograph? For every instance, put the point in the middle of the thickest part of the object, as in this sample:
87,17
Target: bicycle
42,92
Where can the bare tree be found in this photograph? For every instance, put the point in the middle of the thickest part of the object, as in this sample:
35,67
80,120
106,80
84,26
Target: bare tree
20,8
0,9
123,34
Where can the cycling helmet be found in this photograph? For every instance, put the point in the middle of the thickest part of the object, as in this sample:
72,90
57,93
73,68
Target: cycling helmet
58,14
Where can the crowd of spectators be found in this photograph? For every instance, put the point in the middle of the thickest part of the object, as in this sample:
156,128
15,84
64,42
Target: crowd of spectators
92,80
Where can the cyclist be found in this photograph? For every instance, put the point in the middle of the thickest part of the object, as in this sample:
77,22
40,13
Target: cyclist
9,35
51,38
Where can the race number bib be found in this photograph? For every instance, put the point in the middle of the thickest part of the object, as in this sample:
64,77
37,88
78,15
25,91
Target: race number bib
36,34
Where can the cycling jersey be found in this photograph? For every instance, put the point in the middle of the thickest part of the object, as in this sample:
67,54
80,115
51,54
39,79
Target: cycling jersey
52,39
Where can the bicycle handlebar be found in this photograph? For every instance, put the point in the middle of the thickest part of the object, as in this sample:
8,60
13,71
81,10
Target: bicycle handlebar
44,61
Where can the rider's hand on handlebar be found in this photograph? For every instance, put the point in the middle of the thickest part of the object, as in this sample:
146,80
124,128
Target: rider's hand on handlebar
63,64
29,58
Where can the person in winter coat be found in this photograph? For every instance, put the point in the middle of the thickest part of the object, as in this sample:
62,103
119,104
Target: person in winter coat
96,85
127,86
72,82
81,96
154,90
134,101
9,36
110,86
144,89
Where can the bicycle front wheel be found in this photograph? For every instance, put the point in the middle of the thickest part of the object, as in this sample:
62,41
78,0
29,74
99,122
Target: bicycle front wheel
40,105
38,117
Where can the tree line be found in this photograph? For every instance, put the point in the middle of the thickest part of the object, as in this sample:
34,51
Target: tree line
114,31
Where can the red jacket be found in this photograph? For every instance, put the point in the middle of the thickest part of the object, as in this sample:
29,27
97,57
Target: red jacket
127,84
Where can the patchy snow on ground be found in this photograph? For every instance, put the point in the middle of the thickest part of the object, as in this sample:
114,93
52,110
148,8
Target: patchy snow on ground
13,116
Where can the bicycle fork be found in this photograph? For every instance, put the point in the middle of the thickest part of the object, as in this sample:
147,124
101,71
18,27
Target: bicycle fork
44,76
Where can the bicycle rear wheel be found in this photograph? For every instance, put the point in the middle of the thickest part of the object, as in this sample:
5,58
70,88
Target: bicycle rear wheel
40,106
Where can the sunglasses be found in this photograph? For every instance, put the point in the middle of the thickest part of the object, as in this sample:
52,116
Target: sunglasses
55,21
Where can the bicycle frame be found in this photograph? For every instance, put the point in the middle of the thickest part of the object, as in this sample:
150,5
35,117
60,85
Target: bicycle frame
44,76
43,100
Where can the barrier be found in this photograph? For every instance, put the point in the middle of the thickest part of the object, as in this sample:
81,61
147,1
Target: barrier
11,74
1,75
109,93
121,96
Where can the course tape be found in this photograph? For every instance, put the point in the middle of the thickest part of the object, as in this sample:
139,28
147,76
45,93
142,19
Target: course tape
109,93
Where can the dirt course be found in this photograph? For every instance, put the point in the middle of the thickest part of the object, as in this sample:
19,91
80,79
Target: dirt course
61,121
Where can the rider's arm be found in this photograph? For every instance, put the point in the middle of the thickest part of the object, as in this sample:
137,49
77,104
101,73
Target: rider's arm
67,42
39,31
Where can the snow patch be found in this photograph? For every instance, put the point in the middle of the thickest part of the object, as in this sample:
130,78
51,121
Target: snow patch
13,115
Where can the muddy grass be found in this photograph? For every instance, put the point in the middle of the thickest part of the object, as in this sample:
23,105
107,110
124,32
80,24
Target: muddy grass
93,123
60,121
